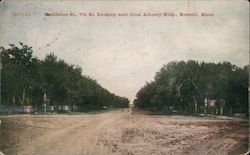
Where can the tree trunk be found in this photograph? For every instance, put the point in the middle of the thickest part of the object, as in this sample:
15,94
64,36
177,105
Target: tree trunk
14,99
195,106
230,111
22,100
221,110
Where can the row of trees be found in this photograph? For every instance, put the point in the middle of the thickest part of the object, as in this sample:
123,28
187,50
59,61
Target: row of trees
25,79
184,87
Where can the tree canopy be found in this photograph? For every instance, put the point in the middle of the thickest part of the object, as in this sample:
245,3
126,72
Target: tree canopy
24,80
181,86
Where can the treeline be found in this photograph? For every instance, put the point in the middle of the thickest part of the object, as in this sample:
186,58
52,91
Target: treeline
25,79
192,87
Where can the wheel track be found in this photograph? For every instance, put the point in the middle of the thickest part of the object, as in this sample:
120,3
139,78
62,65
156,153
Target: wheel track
82,137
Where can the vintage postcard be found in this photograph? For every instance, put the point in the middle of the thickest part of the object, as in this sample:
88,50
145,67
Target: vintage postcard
124,77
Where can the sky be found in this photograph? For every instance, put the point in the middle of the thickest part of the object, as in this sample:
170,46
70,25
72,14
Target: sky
122,53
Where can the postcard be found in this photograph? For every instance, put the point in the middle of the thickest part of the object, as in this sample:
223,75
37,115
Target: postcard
116,77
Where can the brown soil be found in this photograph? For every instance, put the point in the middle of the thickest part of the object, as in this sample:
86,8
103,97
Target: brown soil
120,133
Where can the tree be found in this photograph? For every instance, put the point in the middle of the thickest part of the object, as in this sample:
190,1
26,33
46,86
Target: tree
25,79
184,86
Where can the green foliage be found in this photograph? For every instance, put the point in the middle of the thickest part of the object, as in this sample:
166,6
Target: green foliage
25,79
181,85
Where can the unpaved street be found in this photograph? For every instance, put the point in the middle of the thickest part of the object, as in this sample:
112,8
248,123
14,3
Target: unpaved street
120,133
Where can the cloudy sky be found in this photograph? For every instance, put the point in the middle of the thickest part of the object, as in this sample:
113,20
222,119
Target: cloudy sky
121,53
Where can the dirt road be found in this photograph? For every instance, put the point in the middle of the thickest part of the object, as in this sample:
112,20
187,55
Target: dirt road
120,133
